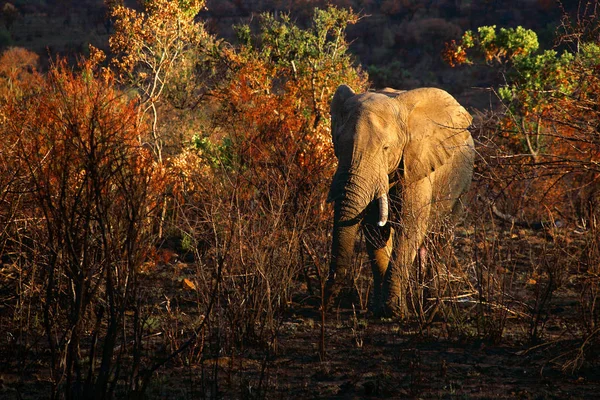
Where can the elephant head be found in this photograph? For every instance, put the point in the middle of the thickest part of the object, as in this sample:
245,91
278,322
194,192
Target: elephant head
416,141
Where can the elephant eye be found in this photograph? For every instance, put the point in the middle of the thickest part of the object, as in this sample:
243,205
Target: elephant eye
386,147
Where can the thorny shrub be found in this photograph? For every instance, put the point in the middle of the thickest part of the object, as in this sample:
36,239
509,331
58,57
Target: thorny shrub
545,143
251,188
539,163
85,188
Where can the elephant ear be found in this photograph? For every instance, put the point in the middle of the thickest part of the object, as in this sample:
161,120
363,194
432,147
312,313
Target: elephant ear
343,93
437,128
390,92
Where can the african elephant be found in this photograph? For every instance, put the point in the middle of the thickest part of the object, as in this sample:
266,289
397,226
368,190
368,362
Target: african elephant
407,154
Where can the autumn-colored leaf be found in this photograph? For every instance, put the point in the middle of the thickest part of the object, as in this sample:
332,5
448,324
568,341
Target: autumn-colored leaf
188,285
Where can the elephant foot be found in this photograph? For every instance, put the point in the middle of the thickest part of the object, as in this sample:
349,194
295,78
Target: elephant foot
376,306
377,311
337,295
394,308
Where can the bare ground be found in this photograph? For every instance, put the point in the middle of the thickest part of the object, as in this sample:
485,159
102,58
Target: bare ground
366,357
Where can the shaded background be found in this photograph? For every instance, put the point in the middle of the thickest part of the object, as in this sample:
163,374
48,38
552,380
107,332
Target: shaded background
397,41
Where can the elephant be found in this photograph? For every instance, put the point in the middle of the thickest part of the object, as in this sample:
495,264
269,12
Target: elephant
401,154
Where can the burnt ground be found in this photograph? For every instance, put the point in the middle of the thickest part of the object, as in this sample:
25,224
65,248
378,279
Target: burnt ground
379,359
366,357
383,361
454,356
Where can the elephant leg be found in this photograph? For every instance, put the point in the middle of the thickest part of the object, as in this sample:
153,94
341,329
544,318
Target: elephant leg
414,221
344,238
379,249
422,281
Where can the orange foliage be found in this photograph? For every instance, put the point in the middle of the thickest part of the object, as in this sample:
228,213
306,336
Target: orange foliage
281,117
18,72
453,54
276,117
269,141
76,144
85,190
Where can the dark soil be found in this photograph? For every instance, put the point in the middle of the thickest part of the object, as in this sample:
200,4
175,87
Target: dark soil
379,359
367,357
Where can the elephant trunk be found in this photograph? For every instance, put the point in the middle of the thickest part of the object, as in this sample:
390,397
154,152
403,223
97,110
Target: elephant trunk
342,250
353,189
352,193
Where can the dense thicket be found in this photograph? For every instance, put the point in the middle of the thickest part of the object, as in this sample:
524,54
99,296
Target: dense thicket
162,201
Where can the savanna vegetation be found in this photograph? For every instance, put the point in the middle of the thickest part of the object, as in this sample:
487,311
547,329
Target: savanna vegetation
163,225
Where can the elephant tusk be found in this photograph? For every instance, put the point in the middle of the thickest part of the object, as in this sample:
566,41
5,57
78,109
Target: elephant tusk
383,209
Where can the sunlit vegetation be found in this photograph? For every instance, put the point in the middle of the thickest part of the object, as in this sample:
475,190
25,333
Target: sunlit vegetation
548,129
540,151
97,181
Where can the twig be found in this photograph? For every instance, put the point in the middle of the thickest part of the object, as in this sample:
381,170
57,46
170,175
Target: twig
459,299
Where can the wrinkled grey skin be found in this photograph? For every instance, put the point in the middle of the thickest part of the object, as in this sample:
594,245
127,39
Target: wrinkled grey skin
406,152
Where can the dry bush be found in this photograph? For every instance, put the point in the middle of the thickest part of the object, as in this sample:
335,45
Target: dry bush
541,172
525,274
248,194
249,237
18,72
495,271
79,232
